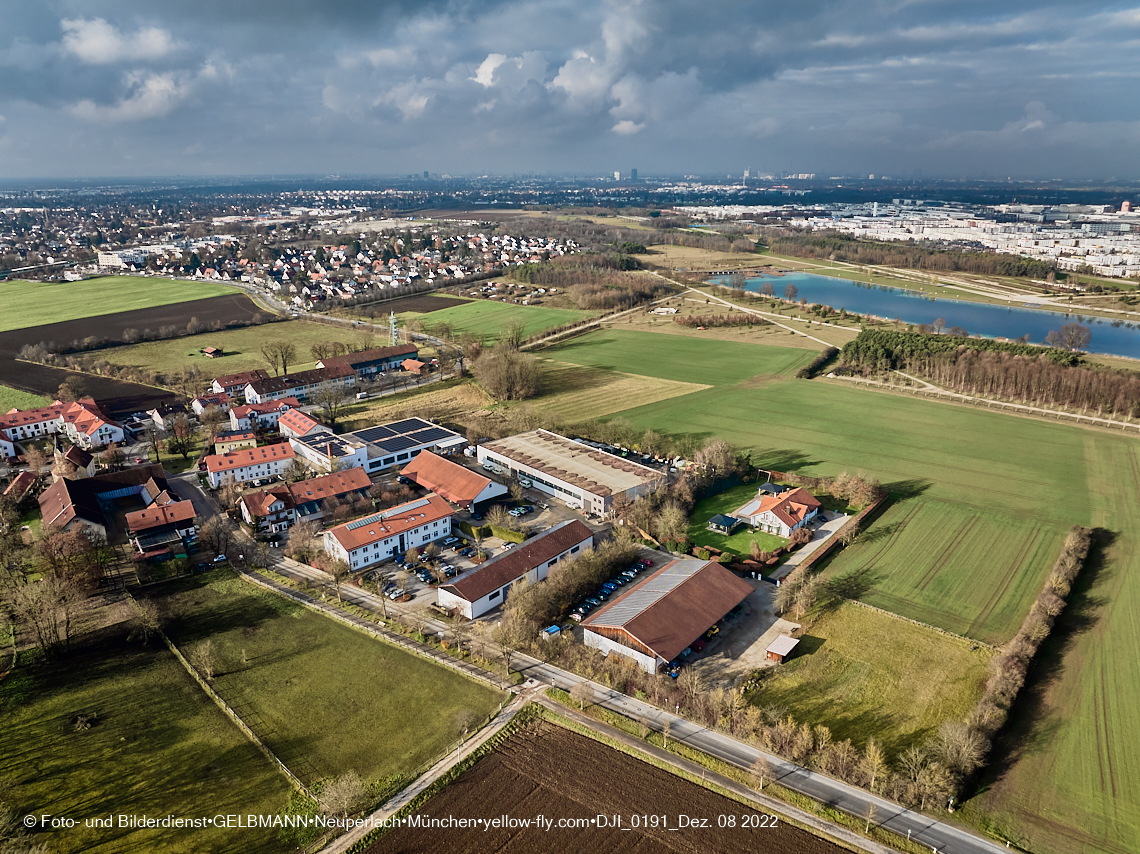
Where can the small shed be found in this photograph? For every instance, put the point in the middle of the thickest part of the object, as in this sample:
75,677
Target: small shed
412,366
212,352
722,524
770,488
779,649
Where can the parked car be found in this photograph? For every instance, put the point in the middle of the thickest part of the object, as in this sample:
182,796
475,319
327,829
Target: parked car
397,593
630,574
450,541
595,601
220,559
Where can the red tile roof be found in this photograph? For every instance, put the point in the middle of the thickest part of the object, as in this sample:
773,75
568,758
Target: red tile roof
457,484
85,416
156,516
269,385
242,379
520,560
412,365
673,620
392,522
25,417
329,485
20,485
366,356
260,502
299,423
271,406
789,507
248,457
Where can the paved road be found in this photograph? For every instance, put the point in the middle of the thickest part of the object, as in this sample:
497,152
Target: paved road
943,838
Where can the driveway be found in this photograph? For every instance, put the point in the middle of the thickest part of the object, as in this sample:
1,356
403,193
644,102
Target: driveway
740,647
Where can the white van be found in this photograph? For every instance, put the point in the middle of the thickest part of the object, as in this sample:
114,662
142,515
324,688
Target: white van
363,395
525,482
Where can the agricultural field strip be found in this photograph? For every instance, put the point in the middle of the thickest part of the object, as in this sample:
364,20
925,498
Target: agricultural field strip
38,303
578,392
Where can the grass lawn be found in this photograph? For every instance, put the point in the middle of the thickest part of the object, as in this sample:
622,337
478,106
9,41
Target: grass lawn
577,392
241,348
692,360
725,502
13,398
158,746
329,699
950,565
864,674
1074,779
487,318
36,303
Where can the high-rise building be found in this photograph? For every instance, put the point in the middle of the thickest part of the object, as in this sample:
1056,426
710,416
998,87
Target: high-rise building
425,174
617,175
633,174
1125,207
747,174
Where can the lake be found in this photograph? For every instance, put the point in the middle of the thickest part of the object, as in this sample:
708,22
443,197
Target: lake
1111,337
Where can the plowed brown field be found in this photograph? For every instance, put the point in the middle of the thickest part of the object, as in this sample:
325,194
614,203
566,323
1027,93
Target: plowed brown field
551,772
117,396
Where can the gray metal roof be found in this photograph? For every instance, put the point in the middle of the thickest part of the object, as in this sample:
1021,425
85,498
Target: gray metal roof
653,589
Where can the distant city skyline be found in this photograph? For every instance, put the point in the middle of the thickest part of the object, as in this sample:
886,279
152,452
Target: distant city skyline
1018,90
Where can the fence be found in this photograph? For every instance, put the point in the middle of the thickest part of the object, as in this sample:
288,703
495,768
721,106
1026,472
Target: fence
231,714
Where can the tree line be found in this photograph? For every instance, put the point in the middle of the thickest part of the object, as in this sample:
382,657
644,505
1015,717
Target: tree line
719,320
1044,377
834,246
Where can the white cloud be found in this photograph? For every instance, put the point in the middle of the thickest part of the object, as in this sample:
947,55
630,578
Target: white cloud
151,96
486,73
98,42
626,127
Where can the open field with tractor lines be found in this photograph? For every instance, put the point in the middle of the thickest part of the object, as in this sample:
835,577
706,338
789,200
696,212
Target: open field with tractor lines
488,319
38,303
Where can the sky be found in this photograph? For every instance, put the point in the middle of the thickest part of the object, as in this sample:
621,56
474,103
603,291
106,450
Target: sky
930,88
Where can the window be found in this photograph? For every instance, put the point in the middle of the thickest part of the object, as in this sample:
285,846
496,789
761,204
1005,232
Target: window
495,595
574,549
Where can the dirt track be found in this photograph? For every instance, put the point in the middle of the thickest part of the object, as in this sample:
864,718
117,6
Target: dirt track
552,772
117,397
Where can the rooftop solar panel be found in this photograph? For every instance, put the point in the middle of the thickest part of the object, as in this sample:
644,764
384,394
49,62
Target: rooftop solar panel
408,425
432,434
404,508
398,443
374,434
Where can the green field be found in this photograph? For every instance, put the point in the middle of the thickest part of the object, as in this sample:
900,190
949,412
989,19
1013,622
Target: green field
741,540
487,318
864,674
241,347
692,360
13,398
158,747
36,303
1075,786
950,565
329,699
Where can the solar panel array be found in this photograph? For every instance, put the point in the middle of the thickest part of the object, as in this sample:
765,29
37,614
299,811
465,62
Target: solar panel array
655,588
401,435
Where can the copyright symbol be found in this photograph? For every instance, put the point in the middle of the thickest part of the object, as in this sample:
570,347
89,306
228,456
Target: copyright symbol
30,821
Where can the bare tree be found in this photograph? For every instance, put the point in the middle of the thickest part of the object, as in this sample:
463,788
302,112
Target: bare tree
204,659
300,544
666,731
113,457
1074,336
144,619
762,771
339,571
269,354
332,399
791,292
48,606
344,794
873,764
215,533
583,693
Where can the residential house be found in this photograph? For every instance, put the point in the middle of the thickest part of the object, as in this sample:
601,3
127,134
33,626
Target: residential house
219,399
163,416
301,385
234,384
86,425
248,464
384,535
68,503
234,440
162,527
297,423
278,507
20,486
260,416
74,463
16,425
779,513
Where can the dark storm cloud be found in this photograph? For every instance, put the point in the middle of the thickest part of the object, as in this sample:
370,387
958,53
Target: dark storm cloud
828,86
